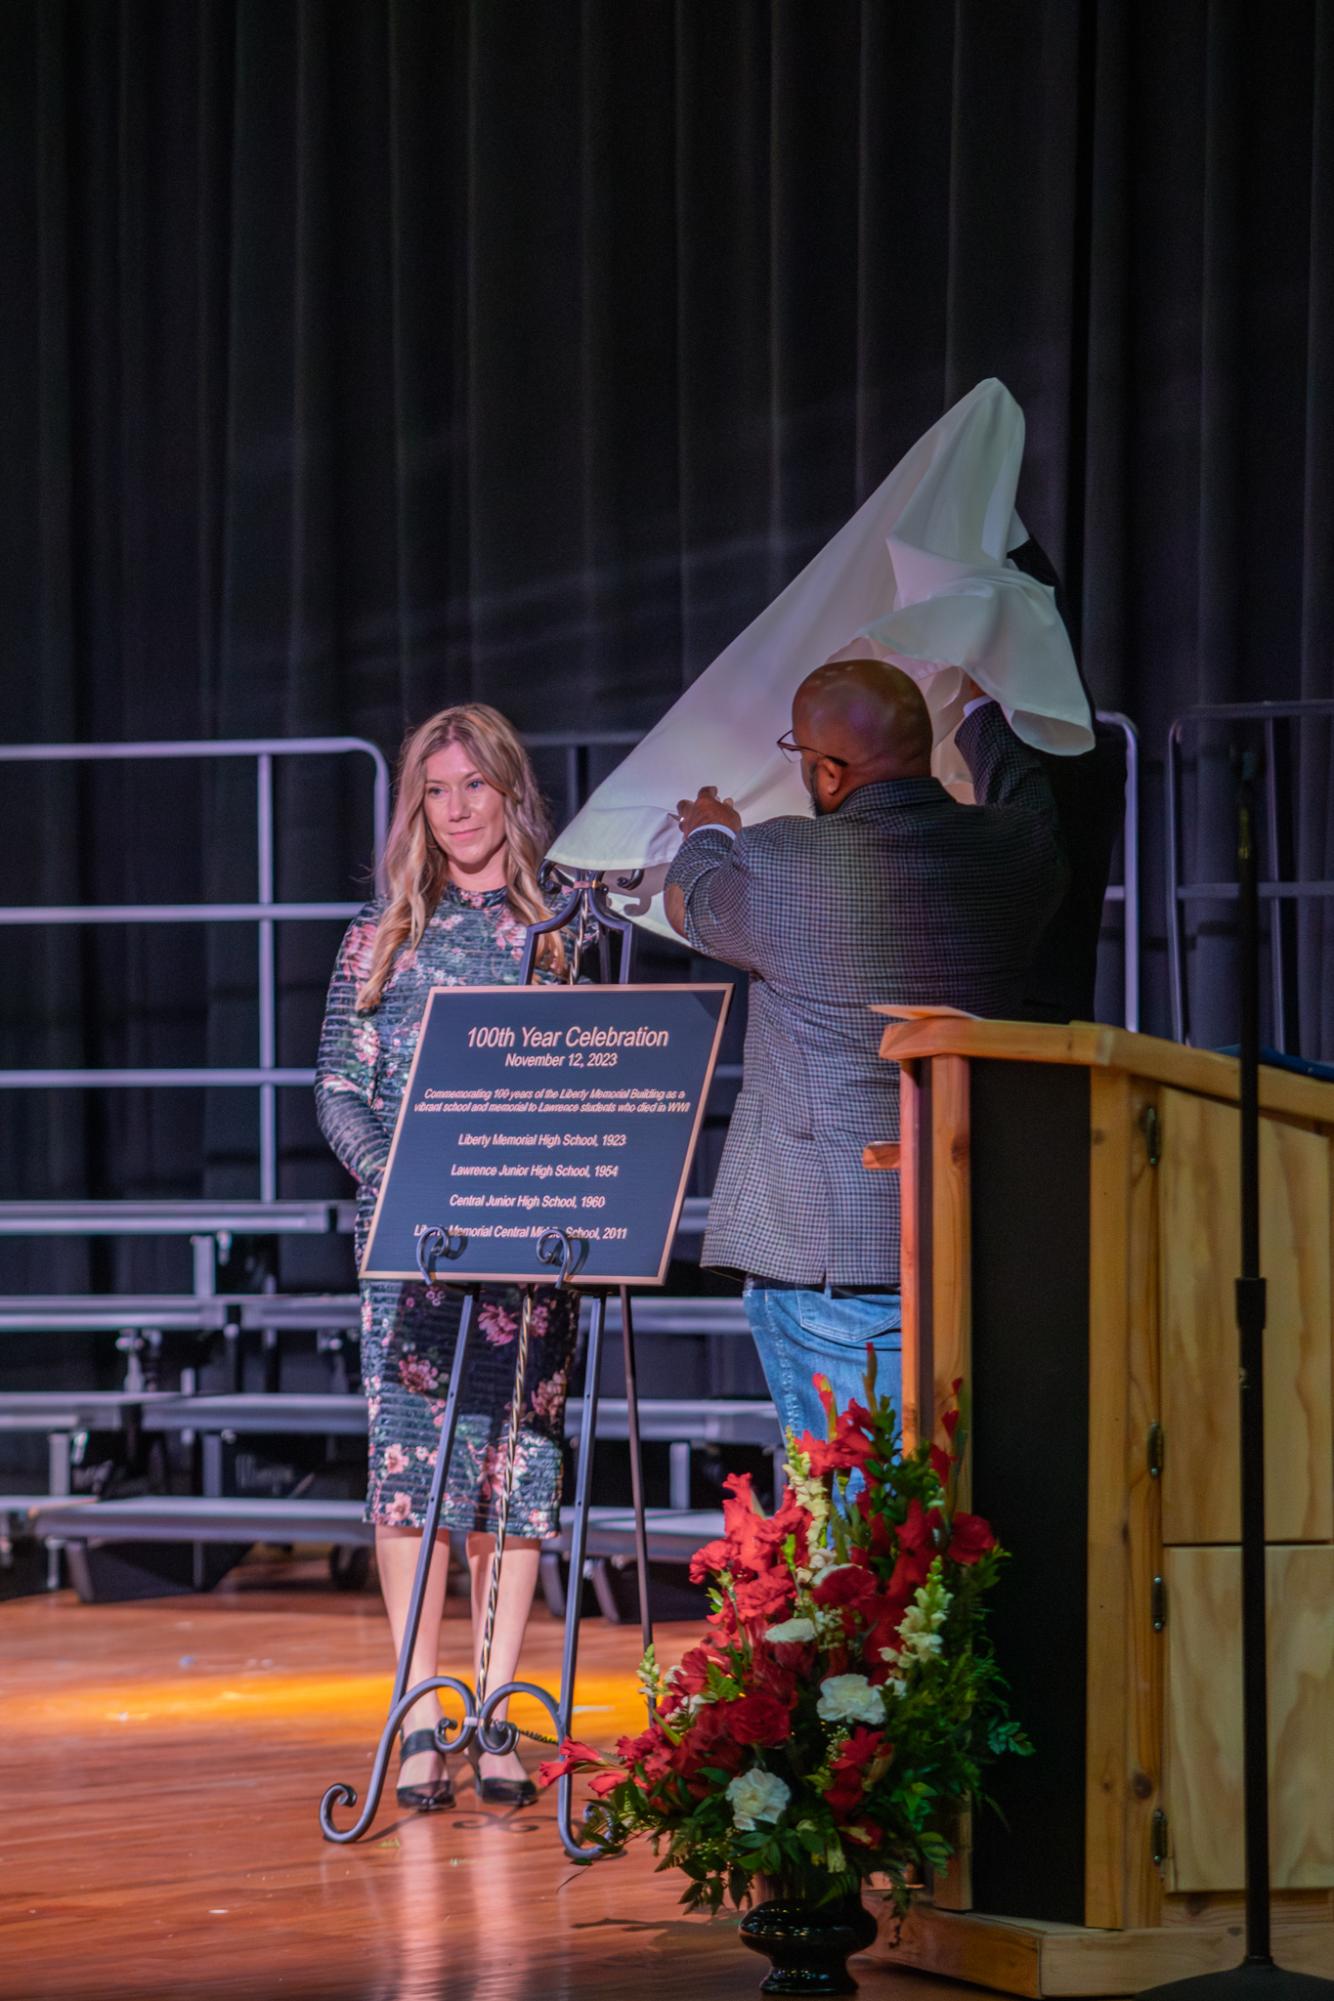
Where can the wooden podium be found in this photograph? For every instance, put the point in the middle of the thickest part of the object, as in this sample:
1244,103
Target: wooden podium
1070,1239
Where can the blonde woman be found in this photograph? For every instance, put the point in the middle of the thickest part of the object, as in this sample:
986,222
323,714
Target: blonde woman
463,866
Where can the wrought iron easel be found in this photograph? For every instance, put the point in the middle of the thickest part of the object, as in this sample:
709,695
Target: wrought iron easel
588,910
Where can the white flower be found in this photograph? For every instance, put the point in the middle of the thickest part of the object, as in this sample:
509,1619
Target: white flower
850,1698
916,1634
791,1629
812,1495
919,1628
757,1795
829,1624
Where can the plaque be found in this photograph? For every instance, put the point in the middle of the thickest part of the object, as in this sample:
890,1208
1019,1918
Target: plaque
536,1109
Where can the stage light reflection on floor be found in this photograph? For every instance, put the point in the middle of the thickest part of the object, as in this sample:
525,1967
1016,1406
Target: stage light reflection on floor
607,1705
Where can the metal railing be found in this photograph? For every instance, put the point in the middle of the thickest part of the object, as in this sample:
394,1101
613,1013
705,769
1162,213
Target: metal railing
1126,892
267,1076
1275,890
265,913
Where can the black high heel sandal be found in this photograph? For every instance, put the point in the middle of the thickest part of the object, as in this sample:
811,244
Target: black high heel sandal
500,1792
436,1793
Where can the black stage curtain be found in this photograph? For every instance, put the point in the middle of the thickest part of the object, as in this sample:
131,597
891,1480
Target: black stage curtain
357,356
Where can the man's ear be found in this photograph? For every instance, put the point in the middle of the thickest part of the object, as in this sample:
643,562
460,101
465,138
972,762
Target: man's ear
829,778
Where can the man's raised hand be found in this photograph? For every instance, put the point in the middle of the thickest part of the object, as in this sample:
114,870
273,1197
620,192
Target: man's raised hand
707,810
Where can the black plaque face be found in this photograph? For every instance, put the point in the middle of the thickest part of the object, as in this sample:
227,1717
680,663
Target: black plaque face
530,1109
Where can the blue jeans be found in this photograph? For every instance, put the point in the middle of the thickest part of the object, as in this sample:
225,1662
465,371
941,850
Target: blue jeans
800,1329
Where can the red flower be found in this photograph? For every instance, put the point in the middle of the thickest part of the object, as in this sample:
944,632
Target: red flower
790,1519
651,1749
742,1520
763,1586
882,1635
846,1584
752,1551
754,1539
925,1531
603,1783
921,1535
693,1673
917,1529
759,1719
710,1726
849,1447
837,1658
762,1601
571,1754
864,1745
780,1665
909,1574
971,1538
845,1434
657,1765
706,1562
725,1620
708,1741
691,1676
941,1464
783,1665
844,1790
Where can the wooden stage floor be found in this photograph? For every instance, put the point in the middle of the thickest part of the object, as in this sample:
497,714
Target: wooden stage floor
160,1768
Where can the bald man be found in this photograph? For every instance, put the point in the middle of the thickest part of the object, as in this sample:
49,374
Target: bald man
890,892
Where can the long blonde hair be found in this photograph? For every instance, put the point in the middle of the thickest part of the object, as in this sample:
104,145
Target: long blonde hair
416,868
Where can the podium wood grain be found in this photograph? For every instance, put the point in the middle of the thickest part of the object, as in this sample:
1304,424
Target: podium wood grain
1133,1335
1109,1569
1143,1905
1202,1777
951,1248
916,1413
1199,1193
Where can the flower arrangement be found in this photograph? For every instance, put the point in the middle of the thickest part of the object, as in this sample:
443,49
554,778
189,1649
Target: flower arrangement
846,1697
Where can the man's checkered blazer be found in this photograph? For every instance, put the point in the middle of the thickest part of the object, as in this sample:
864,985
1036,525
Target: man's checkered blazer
904,896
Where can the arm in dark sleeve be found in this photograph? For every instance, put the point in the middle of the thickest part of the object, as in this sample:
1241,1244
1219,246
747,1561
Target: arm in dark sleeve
1005,771
345,1066
711,872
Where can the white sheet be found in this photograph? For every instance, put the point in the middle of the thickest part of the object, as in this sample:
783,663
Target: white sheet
919,576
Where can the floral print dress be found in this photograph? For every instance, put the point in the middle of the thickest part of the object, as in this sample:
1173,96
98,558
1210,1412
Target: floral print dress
408,1332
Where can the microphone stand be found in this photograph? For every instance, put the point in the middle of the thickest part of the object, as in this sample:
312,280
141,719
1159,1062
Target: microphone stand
1257,1978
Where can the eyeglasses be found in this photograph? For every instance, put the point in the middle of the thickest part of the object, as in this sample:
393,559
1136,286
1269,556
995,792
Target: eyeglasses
790,749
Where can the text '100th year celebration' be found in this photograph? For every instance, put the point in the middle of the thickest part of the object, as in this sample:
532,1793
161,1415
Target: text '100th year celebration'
531,1109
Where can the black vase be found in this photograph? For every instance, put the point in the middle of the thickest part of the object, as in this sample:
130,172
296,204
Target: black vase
809,1944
